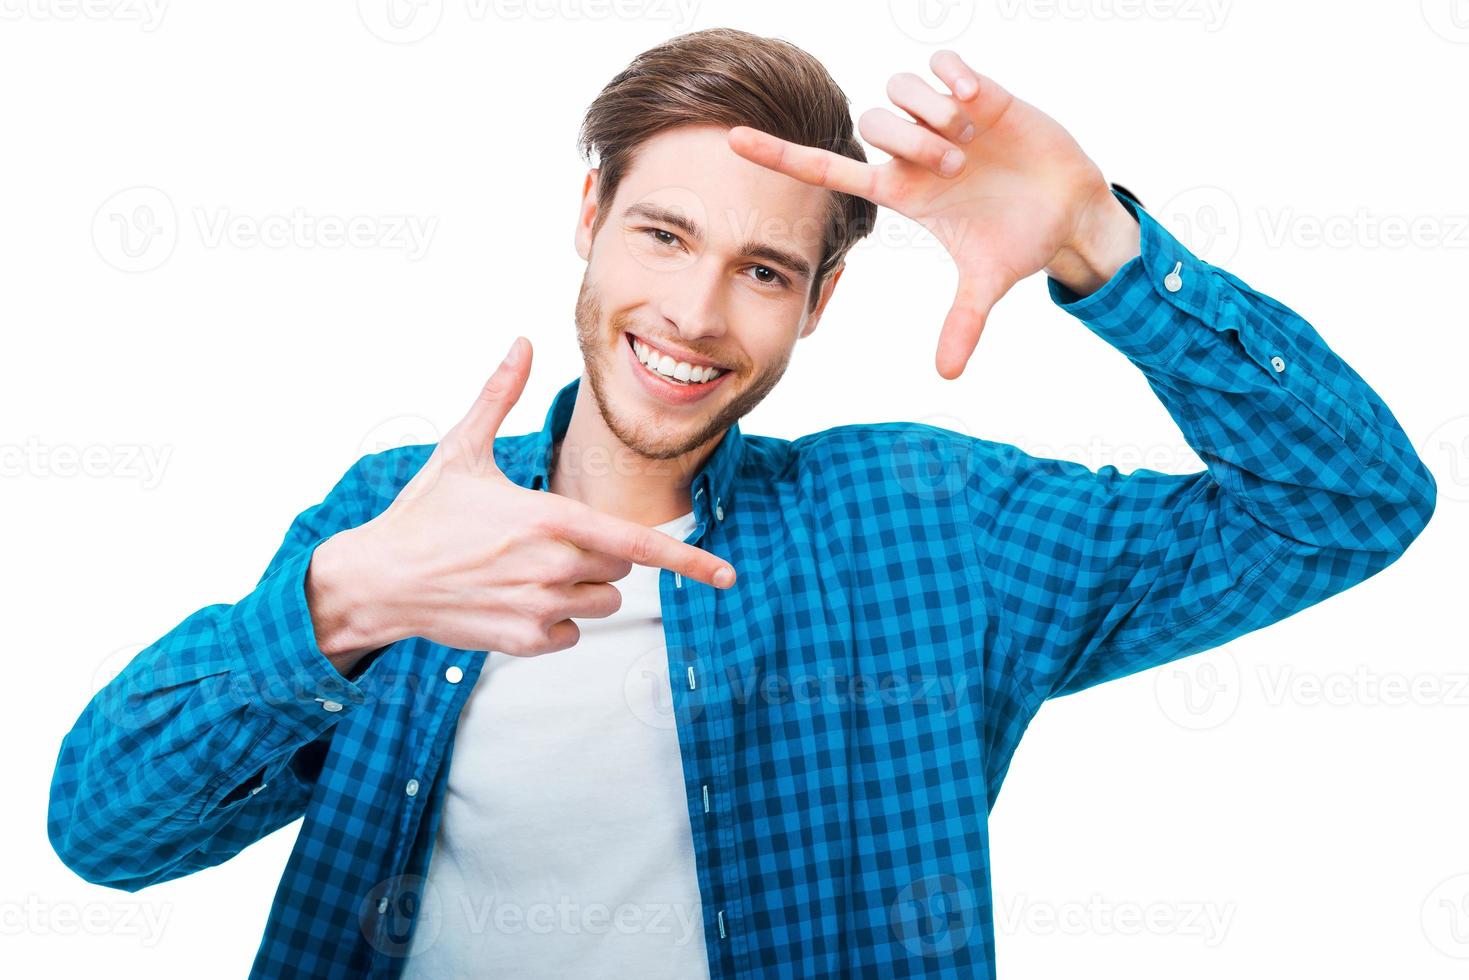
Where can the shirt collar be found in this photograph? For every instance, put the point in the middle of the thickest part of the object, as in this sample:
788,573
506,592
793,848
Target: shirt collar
712,488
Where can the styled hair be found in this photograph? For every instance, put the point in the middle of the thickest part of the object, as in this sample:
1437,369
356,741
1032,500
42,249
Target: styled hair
728,77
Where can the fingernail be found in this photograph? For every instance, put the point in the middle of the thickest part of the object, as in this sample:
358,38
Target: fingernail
952,163
724,578
513,357
968,134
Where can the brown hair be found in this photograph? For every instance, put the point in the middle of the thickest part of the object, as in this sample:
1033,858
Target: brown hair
732,78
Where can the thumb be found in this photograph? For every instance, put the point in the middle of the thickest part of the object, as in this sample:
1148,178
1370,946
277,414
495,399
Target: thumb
473,437
977,295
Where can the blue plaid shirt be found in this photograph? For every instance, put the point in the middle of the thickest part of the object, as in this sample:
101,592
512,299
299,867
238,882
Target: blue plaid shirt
908,597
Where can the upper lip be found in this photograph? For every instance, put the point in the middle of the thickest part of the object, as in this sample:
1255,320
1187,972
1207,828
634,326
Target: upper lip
676,354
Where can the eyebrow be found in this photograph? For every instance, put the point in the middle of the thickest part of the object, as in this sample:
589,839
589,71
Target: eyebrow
750,249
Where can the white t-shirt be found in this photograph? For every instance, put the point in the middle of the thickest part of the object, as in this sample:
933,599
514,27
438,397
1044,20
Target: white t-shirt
565,848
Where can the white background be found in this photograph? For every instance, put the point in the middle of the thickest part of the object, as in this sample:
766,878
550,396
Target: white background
1305,821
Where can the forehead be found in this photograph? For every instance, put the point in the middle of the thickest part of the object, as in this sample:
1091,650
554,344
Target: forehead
692,169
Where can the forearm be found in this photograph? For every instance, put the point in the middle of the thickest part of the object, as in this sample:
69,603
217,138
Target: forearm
191,752
1286,426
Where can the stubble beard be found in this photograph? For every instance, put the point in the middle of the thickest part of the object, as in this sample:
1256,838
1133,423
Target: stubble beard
652,437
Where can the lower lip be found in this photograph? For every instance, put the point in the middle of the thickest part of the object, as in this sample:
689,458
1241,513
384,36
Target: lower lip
668,391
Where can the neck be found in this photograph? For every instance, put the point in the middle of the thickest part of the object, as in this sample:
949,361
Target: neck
593,466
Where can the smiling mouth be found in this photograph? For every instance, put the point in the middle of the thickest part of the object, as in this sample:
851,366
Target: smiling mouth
668,368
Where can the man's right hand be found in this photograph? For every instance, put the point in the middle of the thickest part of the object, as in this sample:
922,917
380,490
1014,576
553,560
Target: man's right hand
466,558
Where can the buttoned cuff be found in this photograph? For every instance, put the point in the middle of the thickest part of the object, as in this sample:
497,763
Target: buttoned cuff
277,665
1143,310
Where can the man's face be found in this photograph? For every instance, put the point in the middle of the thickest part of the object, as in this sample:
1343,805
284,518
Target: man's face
709,258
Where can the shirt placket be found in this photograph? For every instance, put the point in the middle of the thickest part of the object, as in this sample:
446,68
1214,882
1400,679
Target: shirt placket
444,697
702,712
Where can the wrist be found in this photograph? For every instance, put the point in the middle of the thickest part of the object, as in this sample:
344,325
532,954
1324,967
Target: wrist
1107,238
343,598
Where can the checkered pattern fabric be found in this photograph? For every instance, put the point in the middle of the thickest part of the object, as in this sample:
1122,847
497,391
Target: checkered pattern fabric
908,597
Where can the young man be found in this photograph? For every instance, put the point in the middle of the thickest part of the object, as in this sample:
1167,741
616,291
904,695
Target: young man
690,773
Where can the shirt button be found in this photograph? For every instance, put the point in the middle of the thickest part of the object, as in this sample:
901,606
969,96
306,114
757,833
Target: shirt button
331,706
718,510
1173,282
1278,363
412,788
454,675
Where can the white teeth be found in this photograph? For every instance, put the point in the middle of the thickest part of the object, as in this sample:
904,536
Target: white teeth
675,370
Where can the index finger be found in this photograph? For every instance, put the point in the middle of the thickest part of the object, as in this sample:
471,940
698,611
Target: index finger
641,545
806,163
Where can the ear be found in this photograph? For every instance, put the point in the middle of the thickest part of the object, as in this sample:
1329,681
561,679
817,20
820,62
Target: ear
821,301
587,215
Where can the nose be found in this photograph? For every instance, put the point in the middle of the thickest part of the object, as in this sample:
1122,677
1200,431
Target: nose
694,300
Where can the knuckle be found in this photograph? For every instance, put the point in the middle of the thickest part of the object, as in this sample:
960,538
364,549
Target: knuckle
639,548
563,565
542,607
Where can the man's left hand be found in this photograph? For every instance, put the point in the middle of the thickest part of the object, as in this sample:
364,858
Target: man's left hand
1018,194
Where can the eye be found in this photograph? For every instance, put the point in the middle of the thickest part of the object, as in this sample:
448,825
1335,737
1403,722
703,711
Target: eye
779,281
655,232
